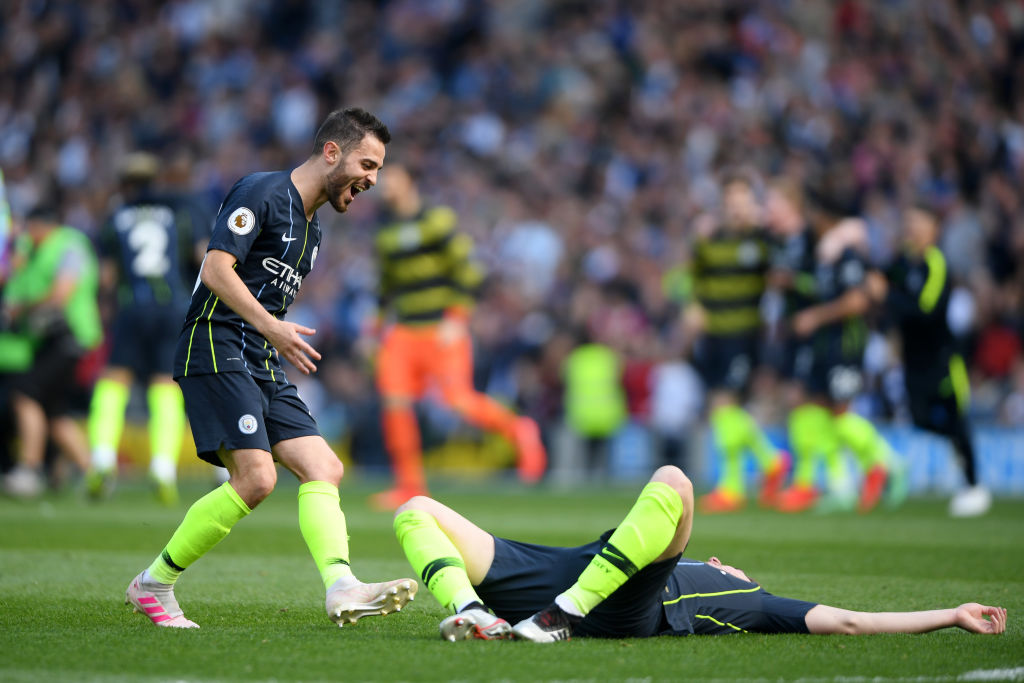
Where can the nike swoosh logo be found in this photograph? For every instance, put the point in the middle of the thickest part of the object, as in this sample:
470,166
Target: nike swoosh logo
285,238
609,553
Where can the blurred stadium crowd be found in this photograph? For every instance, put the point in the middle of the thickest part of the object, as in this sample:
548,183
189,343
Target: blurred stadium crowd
577,141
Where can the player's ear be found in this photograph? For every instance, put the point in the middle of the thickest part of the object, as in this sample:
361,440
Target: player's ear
331,152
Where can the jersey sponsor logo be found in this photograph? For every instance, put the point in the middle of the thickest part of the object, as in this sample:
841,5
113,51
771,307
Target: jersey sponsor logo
241,221
748,253
286,278
247,424
286,238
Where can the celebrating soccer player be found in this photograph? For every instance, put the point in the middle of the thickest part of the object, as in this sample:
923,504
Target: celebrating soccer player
245,414
729,268
916,296
834,328
152,247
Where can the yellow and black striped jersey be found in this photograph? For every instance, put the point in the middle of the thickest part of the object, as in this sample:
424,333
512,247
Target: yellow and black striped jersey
425,267
729,270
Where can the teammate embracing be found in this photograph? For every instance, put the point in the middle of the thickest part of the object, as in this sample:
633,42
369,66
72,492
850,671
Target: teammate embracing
245,414
836,332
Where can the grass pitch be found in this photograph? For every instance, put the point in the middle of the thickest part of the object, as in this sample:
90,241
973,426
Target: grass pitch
64,565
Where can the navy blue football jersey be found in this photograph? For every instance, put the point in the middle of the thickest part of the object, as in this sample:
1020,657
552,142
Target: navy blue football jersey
153,241
262,222
705,600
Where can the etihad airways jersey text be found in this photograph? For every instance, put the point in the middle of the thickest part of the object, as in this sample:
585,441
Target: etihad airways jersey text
263,224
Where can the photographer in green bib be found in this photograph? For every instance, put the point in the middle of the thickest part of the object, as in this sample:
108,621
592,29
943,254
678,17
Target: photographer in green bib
50,300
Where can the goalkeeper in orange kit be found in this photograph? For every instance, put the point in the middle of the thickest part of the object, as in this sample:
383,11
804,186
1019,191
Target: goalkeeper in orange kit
427,282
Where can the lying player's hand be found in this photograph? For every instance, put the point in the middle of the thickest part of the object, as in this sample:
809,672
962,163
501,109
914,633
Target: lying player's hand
285,337
971,617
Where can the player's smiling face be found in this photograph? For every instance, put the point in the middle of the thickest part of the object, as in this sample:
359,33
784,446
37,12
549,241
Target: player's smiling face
355,172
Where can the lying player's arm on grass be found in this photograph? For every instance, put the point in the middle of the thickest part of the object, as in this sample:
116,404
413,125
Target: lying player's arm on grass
971,616
219,275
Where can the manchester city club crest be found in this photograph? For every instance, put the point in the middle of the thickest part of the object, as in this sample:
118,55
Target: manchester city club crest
247,424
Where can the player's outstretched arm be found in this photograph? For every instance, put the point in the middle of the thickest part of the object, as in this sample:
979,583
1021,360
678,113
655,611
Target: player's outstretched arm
971,616
219,276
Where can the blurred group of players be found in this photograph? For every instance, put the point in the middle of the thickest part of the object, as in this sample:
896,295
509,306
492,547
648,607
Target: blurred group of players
779,238
807,248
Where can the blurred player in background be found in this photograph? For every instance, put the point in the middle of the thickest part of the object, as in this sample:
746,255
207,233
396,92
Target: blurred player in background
837,332
244,413
631,583
915,293
427,286
811,426
51,298
730,263
150,251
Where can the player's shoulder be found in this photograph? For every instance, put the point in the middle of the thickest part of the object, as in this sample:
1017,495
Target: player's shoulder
259,182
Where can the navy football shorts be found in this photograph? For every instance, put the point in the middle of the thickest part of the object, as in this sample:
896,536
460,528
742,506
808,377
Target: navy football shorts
233,410
144,339
525,578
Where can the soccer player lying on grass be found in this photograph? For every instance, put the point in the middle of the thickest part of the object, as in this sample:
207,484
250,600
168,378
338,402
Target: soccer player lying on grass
633,582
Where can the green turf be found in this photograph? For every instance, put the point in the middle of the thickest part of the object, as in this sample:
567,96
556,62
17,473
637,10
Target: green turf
64,565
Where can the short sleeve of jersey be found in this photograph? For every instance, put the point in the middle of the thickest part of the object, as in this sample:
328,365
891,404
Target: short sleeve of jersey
239,221
851,271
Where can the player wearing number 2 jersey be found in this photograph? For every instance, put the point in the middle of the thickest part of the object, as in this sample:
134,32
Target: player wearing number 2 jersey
151,247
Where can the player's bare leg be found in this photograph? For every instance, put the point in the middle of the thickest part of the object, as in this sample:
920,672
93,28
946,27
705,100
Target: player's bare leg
452,555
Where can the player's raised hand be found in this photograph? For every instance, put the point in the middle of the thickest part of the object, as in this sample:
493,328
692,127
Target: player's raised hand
971,617
286,338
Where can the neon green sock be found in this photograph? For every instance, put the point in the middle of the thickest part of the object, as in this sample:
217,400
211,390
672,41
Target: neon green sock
323,527
863,440
729,425
435,558
205,524
166,427
811,437
106,422
639,539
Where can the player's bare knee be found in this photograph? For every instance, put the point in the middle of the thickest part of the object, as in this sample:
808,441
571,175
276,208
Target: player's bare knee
255,485
674,477
421,503
332,470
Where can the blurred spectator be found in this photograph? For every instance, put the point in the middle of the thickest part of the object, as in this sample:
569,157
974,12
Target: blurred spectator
576,141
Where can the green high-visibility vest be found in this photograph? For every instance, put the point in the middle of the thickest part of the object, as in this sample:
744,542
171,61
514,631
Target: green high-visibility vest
34,279
595,402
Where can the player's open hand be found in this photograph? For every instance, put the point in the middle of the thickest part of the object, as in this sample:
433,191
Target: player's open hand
971,617
286,337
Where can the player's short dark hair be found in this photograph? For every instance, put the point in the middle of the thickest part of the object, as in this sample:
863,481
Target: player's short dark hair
347,128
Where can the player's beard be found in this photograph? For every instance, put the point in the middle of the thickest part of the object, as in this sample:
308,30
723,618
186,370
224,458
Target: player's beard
335,187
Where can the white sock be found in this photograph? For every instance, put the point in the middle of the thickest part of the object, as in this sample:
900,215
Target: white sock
567,605
154,585
104,459
163,469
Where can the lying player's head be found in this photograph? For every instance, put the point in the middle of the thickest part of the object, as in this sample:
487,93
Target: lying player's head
350,143
738,573
739,201
920,228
